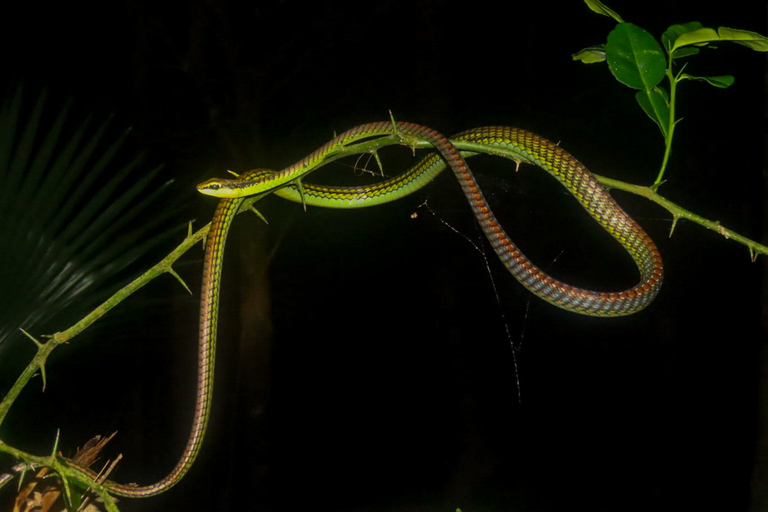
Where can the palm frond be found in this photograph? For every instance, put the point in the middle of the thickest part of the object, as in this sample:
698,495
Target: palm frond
73,205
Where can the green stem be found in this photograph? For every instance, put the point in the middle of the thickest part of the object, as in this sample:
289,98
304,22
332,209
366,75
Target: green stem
649,193
45,349
67,472
679,212
671,130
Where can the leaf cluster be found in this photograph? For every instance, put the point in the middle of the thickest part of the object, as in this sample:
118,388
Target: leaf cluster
640,61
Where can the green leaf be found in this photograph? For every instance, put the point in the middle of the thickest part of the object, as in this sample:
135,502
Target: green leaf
722,81
599,8
635,57
591,54
655,103
704,36
700,37
684,52
752,40
674,32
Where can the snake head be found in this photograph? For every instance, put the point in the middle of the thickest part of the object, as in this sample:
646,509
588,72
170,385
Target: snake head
255,181
215,187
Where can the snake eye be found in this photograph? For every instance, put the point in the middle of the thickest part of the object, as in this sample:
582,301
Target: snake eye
214,186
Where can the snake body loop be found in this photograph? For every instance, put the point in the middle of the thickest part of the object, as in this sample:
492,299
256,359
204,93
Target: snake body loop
530,148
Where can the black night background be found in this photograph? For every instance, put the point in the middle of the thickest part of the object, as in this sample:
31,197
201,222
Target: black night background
365,362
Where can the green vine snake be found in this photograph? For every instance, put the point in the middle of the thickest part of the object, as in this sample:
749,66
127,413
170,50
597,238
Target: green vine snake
287,183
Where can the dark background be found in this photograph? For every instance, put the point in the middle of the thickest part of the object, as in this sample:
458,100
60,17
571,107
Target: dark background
364,362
